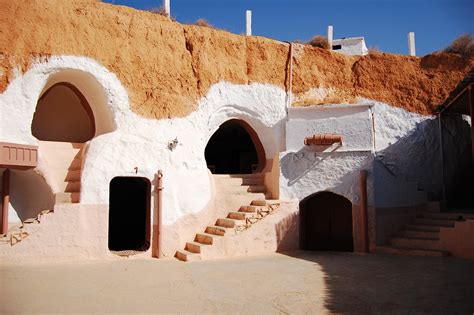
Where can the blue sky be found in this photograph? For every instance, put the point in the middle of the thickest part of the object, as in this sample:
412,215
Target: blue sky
383,23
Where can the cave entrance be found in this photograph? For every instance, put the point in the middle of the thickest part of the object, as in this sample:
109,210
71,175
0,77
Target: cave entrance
326,223
235,149
63,114
129,214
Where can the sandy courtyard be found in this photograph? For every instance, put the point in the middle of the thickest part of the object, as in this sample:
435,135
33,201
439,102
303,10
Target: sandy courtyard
300,282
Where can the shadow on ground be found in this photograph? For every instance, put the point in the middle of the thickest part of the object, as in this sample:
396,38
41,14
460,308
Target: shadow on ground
385,284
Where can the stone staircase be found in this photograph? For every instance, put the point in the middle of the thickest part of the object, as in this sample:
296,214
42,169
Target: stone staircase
206,244
18,232
64,161
245,192
421,237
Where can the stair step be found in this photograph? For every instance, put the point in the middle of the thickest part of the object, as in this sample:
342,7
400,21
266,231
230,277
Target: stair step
253,175
67,197
434,222
419,227
447,216
249,209
240,181
194,247
410,252
228,223
206,238
73,187
415,243
429,235
216,230
73,176
241,215
185,255
76,164
267,202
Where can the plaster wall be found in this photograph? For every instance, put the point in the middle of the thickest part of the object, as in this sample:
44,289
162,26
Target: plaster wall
306,170
61,116
458,240
352,46
29,195
143,143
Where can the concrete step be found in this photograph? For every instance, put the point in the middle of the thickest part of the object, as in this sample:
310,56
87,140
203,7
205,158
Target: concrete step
264,202
419,227
67,197
415,243
447,215
73,187
241,215
435,206
206,238
73,176
224,176
434,222
249,209
237,181
410,252
430,235
243,189
217,230
228,223
185,255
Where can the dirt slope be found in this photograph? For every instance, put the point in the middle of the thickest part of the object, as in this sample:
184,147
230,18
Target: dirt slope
166,67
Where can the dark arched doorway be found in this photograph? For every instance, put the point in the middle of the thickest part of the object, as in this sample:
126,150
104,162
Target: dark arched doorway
64,115
235,149
326,223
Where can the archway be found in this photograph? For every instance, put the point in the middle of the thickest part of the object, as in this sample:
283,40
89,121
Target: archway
63,114
326,223
235,149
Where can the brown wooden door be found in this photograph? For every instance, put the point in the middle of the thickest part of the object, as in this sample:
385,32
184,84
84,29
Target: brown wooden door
326,223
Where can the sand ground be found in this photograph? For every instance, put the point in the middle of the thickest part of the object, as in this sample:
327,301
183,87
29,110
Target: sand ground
297,282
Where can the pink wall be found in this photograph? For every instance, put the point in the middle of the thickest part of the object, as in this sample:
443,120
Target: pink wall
459,241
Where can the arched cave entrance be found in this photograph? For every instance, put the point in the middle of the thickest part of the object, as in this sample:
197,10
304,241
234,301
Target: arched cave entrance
326,223
63,114
235,149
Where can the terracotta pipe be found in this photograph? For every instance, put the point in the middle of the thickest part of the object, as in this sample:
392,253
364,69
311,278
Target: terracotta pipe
5,200
157,251
323,139
363,210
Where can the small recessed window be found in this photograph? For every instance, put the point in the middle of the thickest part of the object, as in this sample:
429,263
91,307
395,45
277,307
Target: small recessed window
336,47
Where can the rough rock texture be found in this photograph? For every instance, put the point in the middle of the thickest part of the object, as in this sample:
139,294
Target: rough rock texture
166,67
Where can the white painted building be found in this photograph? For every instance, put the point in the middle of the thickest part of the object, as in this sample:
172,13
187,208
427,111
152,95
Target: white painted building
350,46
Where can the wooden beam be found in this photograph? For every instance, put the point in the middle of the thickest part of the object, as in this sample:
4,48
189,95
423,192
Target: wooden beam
5,201
455,98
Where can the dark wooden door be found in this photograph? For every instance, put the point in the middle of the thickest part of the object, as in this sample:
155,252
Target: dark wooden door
326,223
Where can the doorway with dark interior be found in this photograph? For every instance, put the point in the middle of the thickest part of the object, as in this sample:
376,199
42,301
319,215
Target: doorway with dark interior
234,149
326,223
129,214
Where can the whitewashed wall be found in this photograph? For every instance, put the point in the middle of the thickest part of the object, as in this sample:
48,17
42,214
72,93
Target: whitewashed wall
306,170
143,143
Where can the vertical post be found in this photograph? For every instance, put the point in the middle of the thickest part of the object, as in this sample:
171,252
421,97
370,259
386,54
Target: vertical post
411,44
440,129
157,249
363,210
248,20
5,200
166,6
471,106
330,36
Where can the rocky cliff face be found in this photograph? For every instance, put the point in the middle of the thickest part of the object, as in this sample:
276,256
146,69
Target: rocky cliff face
167,67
